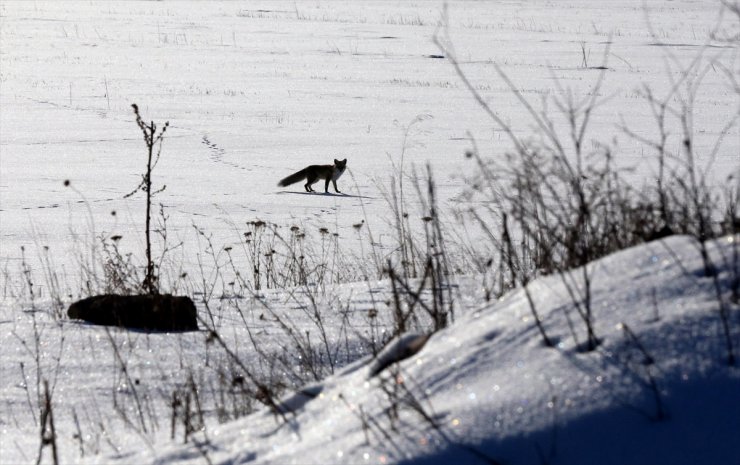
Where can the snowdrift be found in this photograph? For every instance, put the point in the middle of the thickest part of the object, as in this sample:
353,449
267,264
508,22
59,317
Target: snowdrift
657,390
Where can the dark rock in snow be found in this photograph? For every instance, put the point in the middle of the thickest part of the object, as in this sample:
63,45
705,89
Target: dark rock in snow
153,312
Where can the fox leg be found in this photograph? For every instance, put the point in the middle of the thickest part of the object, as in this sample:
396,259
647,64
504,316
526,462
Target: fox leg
309,181
335,186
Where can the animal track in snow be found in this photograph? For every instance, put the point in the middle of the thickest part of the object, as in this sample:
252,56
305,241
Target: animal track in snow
217,153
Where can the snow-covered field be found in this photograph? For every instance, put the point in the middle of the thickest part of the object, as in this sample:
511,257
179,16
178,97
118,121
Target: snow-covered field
254,91
488,382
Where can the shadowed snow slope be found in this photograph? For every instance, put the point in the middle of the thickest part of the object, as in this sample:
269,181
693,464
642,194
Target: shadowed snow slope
657,390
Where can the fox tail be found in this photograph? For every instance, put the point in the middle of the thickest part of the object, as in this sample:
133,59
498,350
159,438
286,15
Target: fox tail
293,178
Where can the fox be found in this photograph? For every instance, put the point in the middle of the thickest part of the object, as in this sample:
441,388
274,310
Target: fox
313,173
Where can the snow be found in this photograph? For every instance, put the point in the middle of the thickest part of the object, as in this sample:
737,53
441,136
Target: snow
254,91
490,385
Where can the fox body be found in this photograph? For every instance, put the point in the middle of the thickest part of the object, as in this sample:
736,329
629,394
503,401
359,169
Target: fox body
313,173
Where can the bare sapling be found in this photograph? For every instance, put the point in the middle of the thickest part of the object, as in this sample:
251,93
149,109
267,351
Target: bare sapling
152,139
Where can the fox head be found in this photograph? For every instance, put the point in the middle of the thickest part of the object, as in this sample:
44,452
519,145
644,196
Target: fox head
340,164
